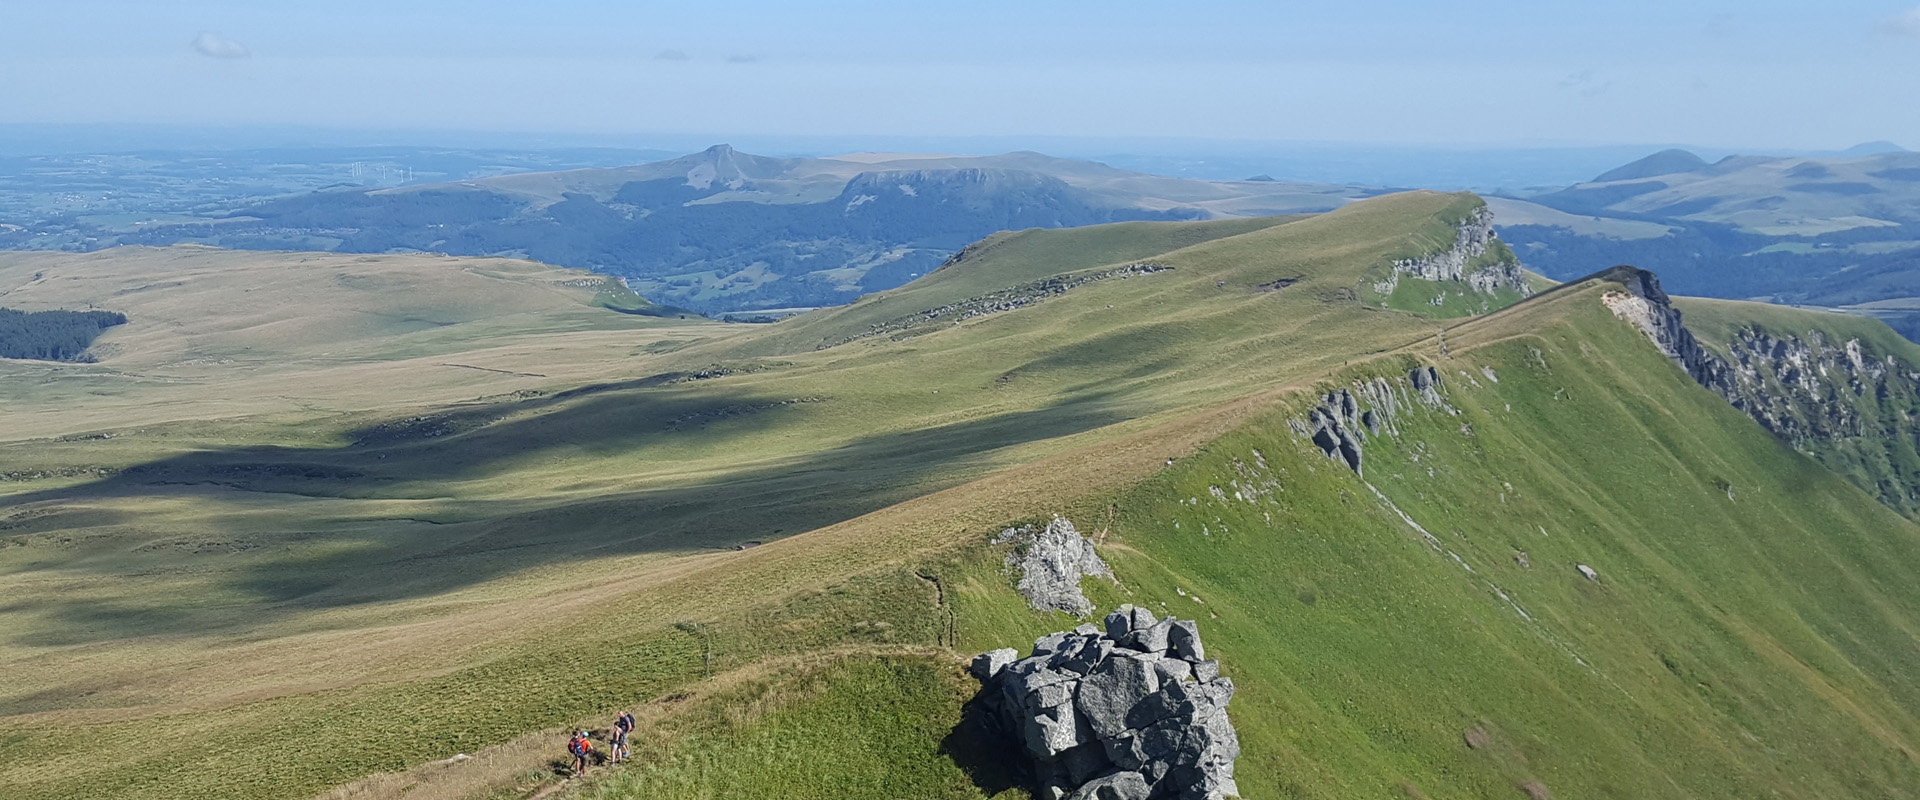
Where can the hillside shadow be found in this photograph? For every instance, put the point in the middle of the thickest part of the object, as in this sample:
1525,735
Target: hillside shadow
374,559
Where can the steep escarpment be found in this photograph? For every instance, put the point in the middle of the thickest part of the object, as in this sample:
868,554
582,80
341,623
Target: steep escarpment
1837,396
1581,577
1845,403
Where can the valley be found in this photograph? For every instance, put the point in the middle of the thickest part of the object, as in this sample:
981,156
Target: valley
720,230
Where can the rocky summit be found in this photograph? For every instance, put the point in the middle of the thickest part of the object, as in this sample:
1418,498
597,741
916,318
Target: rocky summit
1134,711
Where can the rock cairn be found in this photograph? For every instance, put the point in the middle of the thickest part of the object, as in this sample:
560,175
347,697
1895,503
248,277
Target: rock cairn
1134,711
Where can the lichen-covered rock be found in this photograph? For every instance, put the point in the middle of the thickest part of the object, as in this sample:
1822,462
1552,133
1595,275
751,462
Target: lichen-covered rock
1129,709
1051,563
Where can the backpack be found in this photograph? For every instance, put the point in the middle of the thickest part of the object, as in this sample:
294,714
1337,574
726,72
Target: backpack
626,723
579,746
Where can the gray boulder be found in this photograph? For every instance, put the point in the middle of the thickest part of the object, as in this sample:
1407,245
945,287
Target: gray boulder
1153,639
1172,669
1115,786
1052,731
1127,709
1184,640
1050,643
1120,622
987,665
1112,690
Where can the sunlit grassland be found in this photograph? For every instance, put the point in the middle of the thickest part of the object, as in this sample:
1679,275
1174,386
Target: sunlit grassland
406,561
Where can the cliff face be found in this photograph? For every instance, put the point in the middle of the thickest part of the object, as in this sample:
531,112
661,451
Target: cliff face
1465,261
1855,410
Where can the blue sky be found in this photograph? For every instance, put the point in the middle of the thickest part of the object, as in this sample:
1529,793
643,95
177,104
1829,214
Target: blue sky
1471,72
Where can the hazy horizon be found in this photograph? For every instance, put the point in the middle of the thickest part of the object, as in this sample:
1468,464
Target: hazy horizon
1488,74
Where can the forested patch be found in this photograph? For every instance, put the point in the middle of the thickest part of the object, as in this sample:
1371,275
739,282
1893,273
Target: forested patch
53,335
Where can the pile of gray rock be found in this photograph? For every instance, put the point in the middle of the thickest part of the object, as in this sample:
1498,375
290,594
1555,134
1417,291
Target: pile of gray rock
1134,711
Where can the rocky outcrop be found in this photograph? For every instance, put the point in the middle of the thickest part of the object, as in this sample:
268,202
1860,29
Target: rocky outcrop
1649,308
1473,238
1132,710
1855,410
1779,379
1051,562
1343,420
1335,426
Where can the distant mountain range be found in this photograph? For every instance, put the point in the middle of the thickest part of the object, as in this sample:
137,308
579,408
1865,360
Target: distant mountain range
1842,232
722,230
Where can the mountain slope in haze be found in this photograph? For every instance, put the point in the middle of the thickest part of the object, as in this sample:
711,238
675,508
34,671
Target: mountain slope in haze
1769,196
725,230
320,590
1832,232
1665,162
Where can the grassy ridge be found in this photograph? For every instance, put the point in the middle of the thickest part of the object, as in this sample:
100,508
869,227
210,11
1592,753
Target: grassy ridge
1733,647
389,591
347,575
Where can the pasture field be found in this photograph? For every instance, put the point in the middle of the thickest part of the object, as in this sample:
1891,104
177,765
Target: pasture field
399,509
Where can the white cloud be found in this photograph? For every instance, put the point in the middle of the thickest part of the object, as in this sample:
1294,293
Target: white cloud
213,45
1907,24
1587,83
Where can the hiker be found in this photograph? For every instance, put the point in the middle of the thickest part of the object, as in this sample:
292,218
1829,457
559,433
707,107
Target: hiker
580,747
622,726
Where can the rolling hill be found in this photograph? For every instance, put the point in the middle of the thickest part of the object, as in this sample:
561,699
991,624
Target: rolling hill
724,230
1830,232
776,541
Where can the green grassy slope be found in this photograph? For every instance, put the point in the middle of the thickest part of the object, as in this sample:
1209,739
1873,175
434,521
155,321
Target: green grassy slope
281,607
366,577
1010,259
1746,636
1844,389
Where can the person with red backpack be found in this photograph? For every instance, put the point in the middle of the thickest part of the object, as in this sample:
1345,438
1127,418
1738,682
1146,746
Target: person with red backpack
622,726
580,747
